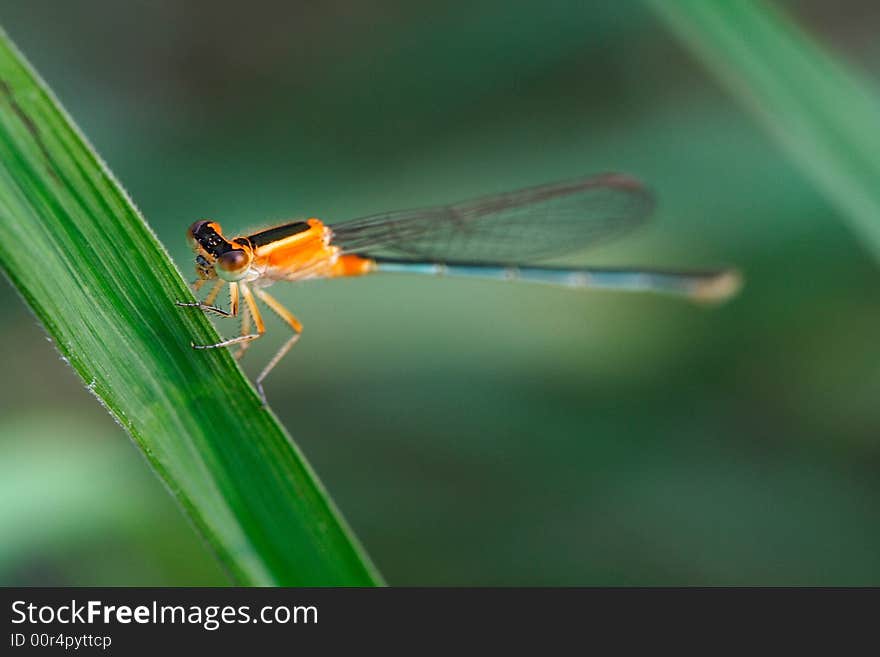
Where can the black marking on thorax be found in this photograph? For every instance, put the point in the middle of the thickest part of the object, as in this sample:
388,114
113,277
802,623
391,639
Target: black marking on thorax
211,241
278,233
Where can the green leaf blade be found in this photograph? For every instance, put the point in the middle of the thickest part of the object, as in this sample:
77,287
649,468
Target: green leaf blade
80,254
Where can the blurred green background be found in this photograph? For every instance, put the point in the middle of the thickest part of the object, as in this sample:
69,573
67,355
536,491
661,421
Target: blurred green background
473,432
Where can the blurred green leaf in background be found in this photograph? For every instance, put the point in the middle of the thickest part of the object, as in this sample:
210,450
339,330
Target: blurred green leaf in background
824,113
479,433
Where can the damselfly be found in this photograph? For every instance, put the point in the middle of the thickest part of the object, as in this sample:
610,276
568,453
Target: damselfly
492,237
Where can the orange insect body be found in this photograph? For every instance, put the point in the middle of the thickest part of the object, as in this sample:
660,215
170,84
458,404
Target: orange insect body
304,255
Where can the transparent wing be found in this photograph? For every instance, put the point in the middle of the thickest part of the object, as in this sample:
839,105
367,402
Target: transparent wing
516,227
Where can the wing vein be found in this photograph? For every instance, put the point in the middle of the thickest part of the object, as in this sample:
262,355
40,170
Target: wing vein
516,227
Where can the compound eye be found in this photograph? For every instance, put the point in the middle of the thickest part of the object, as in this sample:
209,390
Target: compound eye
232,264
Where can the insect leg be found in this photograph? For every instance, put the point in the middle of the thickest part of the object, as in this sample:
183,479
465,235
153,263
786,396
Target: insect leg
212,295
233,297
245,329
291,321
207,304
252,306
